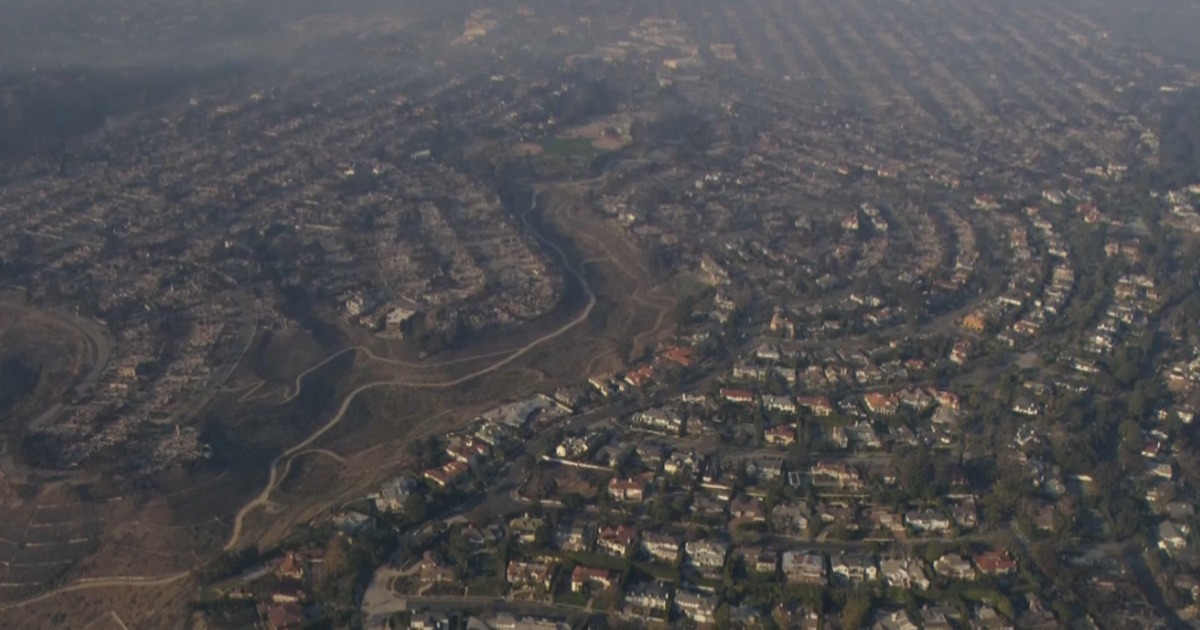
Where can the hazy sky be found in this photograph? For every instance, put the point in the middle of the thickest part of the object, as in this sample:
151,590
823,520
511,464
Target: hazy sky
197,32
136,32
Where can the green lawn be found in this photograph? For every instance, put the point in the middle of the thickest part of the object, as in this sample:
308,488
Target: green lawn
567,147
570,598
484,588
658,571
597,560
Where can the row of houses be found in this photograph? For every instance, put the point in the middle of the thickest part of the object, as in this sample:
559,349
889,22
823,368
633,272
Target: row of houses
876,403
710,556
851,569
798,567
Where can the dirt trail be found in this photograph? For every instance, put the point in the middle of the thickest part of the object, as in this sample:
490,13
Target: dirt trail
661,304
275,476
86,584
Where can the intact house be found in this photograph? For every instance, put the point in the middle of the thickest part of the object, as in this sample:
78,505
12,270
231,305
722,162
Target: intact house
684,357
816,405
700,608
783,404
506,621
648,597
927,521
995,563
852,569
591,577
447,475
631,490
738,396
1027,407
954,567
639,377
706,556
468,450
749,372
947,399
768,352
780,435
429,621
905,573
616,541
881,404
292,567
663,421
660,547
1172,537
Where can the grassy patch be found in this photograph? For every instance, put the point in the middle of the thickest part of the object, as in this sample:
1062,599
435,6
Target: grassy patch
213,594
485,588
444,589
658,571
599,561
568,147
571,598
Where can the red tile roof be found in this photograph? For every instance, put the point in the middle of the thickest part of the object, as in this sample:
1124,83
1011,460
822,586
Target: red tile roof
737,395
682,356
994,562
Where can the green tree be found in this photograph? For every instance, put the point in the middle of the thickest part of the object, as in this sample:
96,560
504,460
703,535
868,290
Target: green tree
855,611
934,551
572,501
416,508
722,616
1129,450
